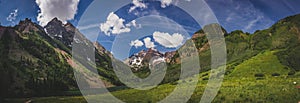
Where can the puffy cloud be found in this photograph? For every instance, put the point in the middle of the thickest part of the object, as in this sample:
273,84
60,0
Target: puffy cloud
149,43
136,43
114,25
134,24
167,40
165,3
12,16
137,4
62,9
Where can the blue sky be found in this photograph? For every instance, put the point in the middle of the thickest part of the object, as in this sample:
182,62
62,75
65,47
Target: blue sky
271,9
167,21
252,15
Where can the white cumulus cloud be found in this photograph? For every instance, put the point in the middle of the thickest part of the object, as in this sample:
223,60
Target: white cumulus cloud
165,3
149,43
114,25
12,16
137,4
136,43
62,9
167,40
134,24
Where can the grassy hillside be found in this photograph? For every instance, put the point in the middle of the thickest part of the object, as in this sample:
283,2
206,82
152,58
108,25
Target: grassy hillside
242,85
264,63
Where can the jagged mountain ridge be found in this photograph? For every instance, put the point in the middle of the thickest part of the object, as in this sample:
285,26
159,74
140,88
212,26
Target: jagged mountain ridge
144,58
62,32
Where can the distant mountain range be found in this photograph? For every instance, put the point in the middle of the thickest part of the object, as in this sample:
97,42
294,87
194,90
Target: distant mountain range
36,60
148,57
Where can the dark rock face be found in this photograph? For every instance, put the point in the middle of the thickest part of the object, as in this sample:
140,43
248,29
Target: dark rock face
62,32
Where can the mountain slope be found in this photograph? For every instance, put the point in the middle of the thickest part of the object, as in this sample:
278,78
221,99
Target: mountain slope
31,65
283,37
38,63
65,35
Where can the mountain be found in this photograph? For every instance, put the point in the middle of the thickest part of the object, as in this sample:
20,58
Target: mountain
62,32
148,57
36,60
30,65
283,35
66,35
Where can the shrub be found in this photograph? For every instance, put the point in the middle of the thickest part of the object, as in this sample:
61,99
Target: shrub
205,79
275,74
259,75
223,98
206,74
292,73
174,83
227,72
260,78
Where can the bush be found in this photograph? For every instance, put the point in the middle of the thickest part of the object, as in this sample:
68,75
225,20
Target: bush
275,74
227,72
205,79
206,74
259,75
292,73
174,83
260,78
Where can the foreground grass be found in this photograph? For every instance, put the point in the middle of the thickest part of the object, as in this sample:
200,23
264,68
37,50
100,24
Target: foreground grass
239,86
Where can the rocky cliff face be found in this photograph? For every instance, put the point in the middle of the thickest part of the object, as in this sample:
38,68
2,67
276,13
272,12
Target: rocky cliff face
27,26
62,32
